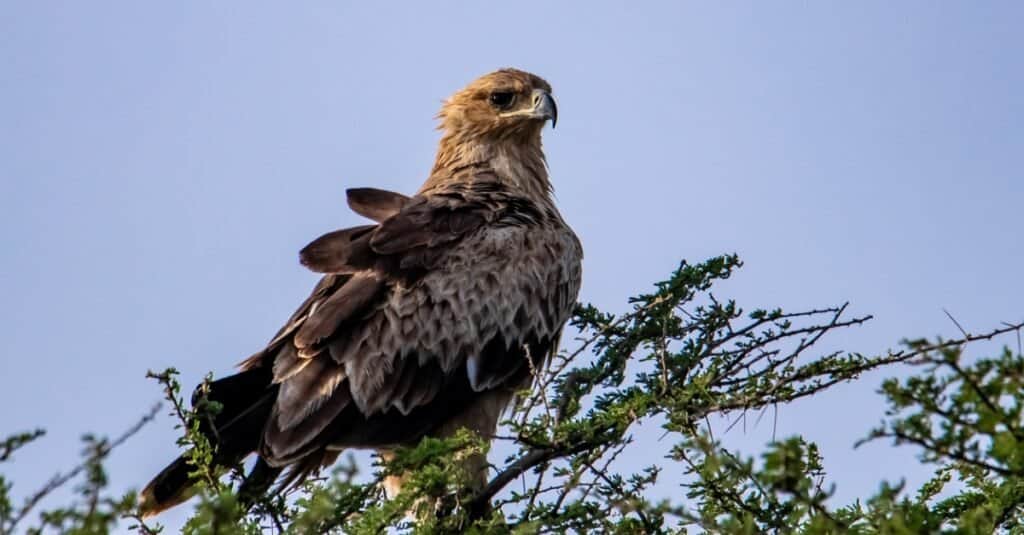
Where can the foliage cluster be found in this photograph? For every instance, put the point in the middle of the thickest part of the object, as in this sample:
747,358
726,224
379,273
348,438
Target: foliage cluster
679,359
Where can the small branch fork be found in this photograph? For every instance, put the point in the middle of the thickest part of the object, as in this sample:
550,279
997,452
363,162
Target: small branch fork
61,479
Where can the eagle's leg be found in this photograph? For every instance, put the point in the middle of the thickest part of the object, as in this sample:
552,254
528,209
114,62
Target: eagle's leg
392,484
482,418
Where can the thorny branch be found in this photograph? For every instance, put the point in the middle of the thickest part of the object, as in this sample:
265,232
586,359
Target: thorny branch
713,352
101,451
679,356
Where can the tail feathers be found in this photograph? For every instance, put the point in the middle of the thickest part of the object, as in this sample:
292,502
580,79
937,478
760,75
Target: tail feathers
169,488
172,486
246,400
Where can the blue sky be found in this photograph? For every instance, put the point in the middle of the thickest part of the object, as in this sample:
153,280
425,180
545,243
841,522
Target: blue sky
162,163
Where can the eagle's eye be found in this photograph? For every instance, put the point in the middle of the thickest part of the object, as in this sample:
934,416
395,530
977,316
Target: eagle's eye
502,100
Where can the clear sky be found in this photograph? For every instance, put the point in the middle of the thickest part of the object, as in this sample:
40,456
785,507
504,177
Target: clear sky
161,163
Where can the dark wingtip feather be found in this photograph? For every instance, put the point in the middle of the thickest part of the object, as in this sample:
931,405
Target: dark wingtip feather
375,204
332,252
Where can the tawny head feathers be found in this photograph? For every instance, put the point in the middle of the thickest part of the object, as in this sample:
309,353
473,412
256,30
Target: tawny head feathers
504,104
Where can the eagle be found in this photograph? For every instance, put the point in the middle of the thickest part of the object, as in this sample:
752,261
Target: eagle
428,320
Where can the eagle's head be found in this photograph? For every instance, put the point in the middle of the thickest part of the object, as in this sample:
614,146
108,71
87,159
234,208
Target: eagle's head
505,104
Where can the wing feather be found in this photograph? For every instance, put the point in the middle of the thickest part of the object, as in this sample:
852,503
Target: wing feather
340,251
339,307
428,222
375,204
324,287
285,446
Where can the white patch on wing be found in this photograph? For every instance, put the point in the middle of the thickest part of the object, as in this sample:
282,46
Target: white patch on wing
473,366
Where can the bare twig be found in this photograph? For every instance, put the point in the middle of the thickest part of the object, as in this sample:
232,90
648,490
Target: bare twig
60,480
955,322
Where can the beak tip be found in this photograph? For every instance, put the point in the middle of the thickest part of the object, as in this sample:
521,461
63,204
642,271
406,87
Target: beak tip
544,107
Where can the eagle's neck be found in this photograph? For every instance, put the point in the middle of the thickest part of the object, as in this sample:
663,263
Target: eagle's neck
518,163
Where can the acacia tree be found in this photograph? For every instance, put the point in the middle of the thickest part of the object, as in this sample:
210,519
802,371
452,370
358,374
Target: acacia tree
680,357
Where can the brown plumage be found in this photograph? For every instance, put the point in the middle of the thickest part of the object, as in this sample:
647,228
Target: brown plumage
424,321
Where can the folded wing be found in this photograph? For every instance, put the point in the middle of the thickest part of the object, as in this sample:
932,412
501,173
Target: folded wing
408,325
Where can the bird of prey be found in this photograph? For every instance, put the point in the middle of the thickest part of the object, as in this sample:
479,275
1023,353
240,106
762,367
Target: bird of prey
426,321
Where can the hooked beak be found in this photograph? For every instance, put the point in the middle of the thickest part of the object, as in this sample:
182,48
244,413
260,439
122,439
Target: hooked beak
544,106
